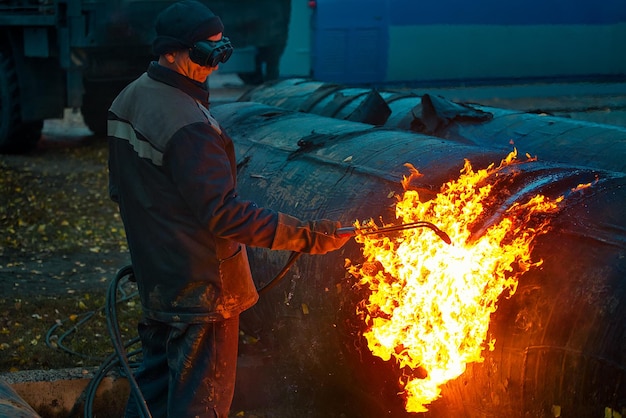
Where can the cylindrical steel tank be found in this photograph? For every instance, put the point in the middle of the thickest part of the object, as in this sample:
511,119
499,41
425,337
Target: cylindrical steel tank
560,340
547,137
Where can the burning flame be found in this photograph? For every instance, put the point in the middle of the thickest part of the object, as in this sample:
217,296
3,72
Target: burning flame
430,303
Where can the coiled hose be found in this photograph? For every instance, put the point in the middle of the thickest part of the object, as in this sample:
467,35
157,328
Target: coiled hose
120,357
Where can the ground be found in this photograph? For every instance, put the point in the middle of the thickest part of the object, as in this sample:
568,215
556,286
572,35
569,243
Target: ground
62,233
62,244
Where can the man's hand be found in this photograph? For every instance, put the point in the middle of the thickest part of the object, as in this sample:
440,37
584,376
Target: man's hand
313,237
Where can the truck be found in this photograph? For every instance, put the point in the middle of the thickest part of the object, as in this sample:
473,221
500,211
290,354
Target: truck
59,54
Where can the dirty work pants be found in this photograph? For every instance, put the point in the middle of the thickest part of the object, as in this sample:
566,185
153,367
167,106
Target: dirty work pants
188,370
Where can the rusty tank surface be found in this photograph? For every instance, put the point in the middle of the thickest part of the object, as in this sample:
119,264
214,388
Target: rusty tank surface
560,339
548,137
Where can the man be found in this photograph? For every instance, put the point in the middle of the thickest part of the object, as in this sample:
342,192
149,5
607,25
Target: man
173,174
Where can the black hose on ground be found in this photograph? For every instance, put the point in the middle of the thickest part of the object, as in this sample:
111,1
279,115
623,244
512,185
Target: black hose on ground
107,366
293,257
116,339
112,361
120,357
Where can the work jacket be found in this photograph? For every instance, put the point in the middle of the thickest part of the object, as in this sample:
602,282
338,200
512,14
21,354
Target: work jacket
172,171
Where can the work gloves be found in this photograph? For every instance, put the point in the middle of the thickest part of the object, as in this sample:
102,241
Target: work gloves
314,237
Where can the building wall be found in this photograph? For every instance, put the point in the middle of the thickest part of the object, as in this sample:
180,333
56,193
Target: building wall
486,52
296,59
380,41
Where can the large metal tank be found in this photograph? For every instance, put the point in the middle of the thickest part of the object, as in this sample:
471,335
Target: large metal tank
560,340
548,137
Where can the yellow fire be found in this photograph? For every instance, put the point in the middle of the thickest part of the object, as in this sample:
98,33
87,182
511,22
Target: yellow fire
430,303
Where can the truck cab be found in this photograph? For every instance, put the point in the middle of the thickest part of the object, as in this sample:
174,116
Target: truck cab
58,54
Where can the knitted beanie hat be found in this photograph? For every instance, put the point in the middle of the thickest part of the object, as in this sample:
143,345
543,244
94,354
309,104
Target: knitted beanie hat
182,24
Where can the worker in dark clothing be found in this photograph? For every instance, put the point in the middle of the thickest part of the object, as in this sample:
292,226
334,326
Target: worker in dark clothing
172,171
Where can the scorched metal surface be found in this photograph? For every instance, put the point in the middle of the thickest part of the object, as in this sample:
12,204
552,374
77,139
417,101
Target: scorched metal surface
560,340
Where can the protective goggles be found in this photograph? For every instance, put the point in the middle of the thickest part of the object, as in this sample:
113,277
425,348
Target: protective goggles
211,53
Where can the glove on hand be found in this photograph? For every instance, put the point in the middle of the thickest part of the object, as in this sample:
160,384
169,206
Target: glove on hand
313,237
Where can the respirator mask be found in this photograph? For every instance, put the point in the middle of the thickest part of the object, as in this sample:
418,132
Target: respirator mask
211,53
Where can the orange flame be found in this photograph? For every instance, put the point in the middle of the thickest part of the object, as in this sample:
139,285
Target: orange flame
430,303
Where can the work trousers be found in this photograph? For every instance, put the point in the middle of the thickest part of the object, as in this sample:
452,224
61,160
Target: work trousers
187,370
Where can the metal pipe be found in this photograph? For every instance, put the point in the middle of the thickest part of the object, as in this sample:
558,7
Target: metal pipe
559,338
351,231
547,137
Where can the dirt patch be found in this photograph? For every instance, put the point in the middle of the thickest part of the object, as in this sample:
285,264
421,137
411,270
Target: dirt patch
56,274
62,234
62,243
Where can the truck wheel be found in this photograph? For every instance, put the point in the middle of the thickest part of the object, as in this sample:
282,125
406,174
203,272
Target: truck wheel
96,102
15,135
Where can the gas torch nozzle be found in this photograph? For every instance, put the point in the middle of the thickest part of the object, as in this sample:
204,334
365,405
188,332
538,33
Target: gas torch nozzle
352,231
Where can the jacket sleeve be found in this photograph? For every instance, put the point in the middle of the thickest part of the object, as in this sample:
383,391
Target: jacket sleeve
200,166
314,237
198,163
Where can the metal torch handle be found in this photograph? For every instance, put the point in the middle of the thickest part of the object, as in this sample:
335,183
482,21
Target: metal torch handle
346,231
